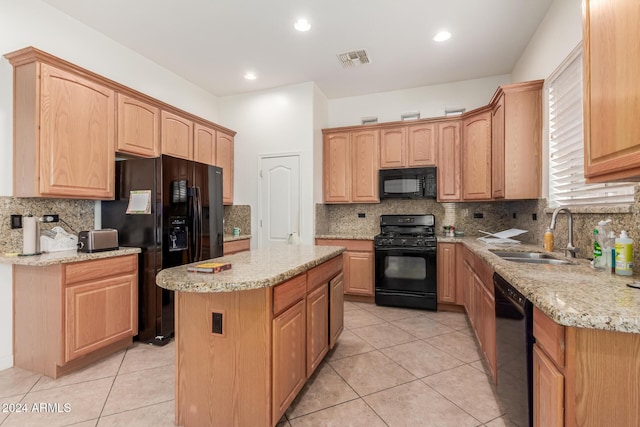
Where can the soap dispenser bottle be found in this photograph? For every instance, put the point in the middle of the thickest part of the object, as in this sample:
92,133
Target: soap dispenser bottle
548,240
624,254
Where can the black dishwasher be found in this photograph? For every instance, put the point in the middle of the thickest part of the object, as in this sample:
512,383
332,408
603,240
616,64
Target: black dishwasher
514,352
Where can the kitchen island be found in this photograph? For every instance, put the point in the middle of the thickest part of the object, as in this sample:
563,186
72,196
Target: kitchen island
248,338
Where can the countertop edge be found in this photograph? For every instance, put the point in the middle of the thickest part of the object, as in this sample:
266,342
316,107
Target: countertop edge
180,280
343,237
65,257
227,238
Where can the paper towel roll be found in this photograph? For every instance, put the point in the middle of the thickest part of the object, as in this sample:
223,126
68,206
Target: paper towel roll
29,235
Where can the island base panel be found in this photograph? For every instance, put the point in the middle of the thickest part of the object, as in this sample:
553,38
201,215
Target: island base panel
223,379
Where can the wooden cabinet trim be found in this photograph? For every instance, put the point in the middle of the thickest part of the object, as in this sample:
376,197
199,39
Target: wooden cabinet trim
548,391
235,246
317,327
138,126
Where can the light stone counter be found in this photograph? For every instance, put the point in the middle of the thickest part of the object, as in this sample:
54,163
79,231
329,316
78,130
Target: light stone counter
572,295
250,269
64,257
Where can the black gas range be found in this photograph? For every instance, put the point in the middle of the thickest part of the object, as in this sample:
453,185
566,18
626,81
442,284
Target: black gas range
405,262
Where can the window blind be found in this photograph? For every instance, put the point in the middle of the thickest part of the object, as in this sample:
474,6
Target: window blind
567,186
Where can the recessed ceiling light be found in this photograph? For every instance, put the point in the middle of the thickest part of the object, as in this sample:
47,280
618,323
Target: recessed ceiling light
302,25
250,76
442,36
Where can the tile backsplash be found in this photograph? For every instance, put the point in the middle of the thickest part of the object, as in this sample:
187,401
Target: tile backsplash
75,216
531,215
237,216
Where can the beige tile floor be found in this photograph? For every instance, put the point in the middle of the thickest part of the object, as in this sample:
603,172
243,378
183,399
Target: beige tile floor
391,367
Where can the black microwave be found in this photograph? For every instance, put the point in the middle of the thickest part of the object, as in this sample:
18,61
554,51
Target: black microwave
414,183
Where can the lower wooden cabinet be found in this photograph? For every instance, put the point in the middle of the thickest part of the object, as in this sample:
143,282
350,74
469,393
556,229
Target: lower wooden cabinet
359,262
69,315
289,362
548,391
446,271
317,327
479,303
336,308
235,246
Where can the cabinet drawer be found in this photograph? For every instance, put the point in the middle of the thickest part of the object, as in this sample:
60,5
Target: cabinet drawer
98,269
288,293
321,274
549,335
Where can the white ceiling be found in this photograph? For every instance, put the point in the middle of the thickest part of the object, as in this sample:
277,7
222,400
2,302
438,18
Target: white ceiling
212,43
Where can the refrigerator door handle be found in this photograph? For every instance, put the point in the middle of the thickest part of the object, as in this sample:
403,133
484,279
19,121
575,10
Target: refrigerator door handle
198,223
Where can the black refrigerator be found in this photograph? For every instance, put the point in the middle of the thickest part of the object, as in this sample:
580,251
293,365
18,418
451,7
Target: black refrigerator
184,225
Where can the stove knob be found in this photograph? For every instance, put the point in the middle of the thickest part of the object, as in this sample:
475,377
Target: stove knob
403,242
419,242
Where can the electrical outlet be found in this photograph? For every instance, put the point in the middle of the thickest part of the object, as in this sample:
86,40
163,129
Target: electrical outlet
361,215
16,221
514,215
478,215
534,217
216,323
50,218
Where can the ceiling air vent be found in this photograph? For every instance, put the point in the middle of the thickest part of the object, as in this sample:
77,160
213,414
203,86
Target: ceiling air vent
353,58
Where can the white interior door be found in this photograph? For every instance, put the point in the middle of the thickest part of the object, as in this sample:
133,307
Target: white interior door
279,209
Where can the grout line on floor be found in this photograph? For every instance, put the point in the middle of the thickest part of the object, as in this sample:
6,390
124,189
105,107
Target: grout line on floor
104,404
480,423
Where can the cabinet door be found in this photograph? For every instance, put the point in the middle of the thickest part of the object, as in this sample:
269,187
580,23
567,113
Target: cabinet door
548,391
138,127
77,136
99,313
612,73
497,149
447,272
421,145
177,136
336,308
393,143
317,327
225,159
489,329
358,272
204,144
336,167
449,161
289,375
364,166
476,157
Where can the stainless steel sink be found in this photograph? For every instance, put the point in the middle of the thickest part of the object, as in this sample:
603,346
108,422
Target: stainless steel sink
529,257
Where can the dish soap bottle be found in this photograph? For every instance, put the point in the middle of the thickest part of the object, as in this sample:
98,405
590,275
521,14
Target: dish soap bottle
600,234
624,254
609,251
548,240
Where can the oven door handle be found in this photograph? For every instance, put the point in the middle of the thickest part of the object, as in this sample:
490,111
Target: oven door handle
408,249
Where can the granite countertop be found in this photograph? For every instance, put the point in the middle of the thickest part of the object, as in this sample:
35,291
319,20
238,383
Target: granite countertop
231,238
250,269
572,295
345,236
64,257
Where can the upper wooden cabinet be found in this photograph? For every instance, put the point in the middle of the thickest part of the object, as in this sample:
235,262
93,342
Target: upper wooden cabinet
64,131
350,167
364,170
138,127
449,171
204,144
224,159
422,145
476,156
611,102
177,135
70,122
393,147
408,146
516,147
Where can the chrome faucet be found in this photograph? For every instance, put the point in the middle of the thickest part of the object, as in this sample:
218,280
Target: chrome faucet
570,250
